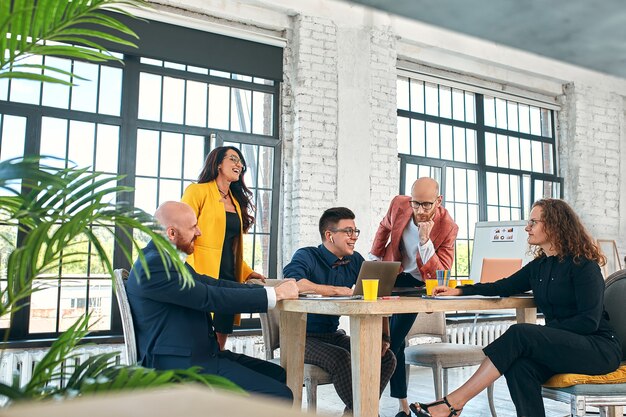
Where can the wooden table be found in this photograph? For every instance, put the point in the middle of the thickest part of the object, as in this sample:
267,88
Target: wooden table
365,333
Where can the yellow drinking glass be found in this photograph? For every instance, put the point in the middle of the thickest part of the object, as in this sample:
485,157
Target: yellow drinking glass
467,282
452,283
430,286
370,289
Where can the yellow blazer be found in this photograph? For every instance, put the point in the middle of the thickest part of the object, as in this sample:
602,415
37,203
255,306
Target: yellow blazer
204,199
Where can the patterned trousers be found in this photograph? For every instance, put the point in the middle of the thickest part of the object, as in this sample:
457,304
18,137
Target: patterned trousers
331,352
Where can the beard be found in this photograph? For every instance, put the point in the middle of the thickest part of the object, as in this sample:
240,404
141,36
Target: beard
186,246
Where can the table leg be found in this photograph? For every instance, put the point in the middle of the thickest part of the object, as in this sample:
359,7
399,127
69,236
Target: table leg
365,345
526,315
292,341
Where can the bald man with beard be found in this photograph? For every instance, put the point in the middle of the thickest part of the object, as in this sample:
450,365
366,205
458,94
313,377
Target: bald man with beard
173,324
420,233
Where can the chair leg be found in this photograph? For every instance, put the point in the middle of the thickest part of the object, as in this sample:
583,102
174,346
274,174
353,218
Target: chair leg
492,406
437,375
311,395
612,411
407,369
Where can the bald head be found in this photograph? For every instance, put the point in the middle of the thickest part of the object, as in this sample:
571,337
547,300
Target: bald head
180,224
425,199
426,185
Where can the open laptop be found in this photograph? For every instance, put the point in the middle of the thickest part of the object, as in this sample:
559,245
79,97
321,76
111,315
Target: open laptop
384,271
497,268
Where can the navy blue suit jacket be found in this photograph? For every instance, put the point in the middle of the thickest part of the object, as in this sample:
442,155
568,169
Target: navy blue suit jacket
173,325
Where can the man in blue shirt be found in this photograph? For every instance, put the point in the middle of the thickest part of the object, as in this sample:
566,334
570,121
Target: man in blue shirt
329,269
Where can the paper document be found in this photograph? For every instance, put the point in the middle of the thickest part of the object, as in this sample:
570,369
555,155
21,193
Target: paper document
321,297
459,297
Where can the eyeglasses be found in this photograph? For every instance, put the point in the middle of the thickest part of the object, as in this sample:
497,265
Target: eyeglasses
236,161
532,222
349,231
426,205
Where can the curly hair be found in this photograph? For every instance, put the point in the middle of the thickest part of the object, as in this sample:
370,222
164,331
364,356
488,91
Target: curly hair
241,193
566,232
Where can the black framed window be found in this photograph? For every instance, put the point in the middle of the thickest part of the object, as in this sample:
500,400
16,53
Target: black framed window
492,156
154,119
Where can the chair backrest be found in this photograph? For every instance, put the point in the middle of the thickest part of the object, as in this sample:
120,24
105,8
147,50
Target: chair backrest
497,268
430,325
120,276
614,296
270,323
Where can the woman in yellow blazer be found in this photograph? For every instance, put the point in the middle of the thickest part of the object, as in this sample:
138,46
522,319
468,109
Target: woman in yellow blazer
222,204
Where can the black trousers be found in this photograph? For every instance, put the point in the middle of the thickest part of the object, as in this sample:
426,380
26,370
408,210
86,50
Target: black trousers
399,326
528,355
254,375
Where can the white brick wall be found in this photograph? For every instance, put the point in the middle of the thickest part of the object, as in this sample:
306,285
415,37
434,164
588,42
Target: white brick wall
590,127
310,130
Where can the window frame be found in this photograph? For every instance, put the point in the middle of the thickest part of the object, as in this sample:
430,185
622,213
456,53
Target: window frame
129,123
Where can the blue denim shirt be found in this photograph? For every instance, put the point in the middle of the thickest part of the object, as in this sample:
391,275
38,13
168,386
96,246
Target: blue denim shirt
316,265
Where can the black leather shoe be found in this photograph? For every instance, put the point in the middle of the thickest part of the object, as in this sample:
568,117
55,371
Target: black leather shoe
403,414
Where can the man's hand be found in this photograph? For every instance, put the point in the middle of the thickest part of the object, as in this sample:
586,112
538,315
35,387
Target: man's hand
425,228
256,275
287,290
306,286
442,290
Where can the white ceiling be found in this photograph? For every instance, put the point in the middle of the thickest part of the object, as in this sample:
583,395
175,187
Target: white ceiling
588,33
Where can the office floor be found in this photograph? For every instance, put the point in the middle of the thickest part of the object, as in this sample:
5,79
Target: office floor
421,388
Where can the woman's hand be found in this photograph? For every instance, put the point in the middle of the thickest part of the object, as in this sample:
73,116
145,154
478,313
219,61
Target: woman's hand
441,290
256,275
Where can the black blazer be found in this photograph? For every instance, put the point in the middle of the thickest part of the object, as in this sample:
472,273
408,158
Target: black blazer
173,326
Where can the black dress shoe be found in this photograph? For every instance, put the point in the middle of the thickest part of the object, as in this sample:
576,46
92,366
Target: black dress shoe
403,414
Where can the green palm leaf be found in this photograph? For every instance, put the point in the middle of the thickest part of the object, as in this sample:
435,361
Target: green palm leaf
30,27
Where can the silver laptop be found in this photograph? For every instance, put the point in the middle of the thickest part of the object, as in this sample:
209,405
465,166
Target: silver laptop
384,271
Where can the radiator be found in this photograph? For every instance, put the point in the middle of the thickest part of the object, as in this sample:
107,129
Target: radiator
480,334
21,362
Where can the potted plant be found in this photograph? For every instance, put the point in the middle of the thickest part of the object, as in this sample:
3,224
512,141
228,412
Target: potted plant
56,208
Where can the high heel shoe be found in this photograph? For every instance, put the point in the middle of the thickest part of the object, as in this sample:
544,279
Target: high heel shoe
423,411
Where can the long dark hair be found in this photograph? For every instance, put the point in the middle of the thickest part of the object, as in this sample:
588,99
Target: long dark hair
566,232
238,188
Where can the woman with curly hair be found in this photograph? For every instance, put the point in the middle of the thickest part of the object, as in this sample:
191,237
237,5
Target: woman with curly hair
568,289
222,204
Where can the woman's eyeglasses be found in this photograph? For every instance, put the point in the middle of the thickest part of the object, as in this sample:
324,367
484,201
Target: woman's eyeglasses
532,222
236,161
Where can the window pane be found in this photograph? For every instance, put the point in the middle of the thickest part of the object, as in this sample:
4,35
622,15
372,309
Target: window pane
146,194
81,146
445,102
263,210
404,140
12,137
110,97
147,153
194,156
196,103
170,190
402,95
432,99
418,138
266,167
56,95
240,110
43,306
417,96
54,140
263,113
85,92
107,148
432,140
149,96
446,142
173,100
219,106
171,155
73,302
27,91
458,105
99,304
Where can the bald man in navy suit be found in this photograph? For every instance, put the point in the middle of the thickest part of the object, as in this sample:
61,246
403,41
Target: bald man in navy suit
173,323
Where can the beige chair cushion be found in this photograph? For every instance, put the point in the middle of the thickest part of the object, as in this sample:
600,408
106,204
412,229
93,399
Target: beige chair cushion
449,355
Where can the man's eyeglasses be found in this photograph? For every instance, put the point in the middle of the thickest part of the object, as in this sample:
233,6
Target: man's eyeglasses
236,161
532,222
426,205
349,231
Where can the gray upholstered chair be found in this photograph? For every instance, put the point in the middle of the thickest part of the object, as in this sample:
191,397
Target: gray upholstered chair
441,356
130,345
609,398
313,375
